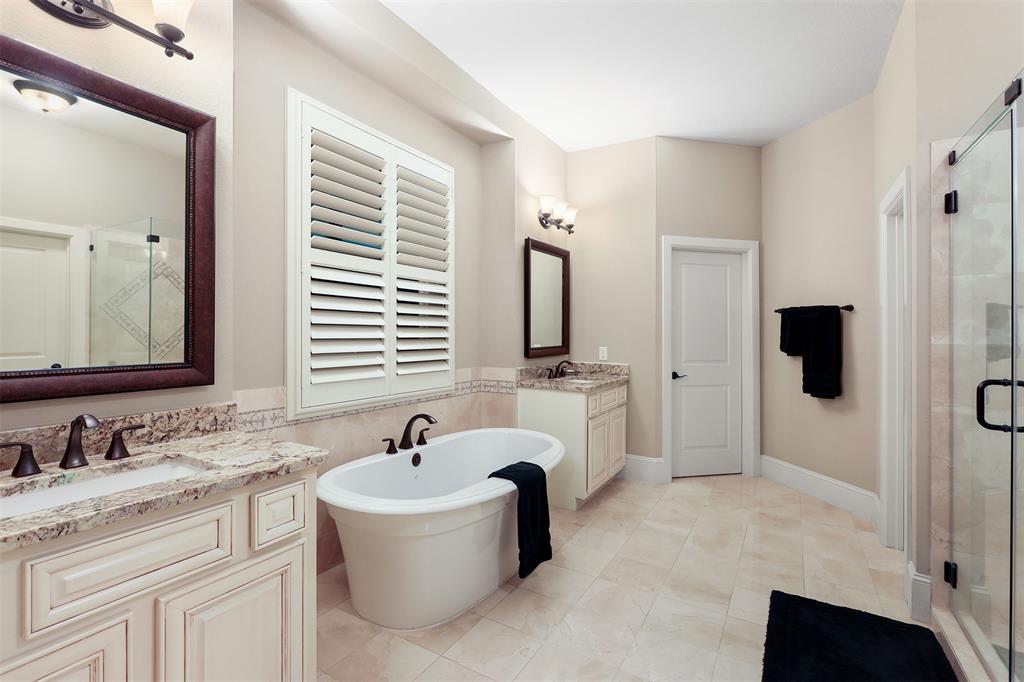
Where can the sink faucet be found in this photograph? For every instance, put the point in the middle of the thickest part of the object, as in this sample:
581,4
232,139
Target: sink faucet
73,455
406,443
559,370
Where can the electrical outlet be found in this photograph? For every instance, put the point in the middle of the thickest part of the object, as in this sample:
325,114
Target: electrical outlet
602,353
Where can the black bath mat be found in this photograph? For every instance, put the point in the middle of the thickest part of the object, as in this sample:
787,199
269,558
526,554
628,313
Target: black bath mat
810,641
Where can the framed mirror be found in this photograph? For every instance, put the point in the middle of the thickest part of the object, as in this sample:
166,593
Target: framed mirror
106,233
547,300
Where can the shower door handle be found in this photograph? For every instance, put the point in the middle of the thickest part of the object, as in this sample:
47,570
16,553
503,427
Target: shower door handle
979,405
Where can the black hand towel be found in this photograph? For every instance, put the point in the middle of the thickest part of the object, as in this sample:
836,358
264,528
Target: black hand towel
532,513
816,333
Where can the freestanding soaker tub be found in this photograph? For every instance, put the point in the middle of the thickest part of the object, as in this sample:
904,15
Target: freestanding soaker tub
424,543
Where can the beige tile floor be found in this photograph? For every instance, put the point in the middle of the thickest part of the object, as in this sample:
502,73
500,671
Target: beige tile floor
648,582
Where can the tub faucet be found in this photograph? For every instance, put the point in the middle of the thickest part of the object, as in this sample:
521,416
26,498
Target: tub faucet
406,443
73,455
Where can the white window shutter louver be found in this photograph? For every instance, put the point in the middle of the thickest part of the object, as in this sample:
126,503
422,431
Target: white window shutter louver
377,271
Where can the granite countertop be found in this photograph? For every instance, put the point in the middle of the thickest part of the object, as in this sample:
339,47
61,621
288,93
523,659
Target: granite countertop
584,377
230,460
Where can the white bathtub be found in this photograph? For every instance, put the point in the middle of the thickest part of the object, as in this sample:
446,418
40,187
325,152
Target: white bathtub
424,543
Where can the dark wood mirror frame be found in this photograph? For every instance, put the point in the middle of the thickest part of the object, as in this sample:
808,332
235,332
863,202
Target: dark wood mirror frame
199,130
563,348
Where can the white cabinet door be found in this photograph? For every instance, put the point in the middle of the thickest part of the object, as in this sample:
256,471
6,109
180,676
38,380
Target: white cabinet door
246,625
99,656
597,452
617,440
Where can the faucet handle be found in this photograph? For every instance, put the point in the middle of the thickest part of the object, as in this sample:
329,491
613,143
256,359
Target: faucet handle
391,445
27,465
117,449
422,440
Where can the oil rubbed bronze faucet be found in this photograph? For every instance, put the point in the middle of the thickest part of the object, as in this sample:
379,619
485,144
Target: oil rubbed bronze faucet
407,434
74,457
559,370
27,465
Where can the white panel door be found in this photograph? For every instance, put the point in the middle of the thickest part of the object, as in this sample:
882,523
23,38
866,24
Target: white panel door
706,332
33,301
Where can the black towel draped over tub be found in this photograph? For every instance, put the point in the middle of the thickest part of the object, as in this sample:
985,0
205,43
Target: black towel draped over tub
816,333
532,513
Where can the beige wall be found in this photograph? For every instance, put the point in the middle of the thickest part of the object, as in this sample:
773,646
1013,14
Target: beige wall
205,84
820,248
895,118
613,283
630,195
269,58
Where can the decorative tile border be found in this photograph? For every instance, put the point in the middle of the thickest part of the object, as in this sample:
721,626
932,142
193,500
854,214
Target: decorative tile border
275,417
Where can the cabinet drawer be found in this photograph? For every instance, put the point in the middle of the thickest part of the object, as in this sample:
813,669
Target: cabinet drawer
620,396
593,404
278,513
63,586
609,399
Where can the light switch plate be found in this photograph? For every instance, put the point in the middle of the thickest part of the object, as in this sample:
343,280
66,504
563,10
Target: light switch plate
602,352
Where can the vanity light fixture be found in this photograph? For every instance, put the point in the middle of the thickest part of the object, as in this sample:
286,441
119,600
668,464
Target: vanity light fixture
45,97
170,19
557,213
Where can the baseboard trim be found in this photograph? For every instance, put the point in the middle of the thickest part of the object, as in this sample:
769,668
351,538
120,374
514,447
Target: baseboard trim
918,592
644,469
857,501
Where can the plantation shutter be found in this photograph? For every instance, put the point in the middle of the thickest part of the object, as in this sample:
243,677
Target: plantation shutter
423,276
376,272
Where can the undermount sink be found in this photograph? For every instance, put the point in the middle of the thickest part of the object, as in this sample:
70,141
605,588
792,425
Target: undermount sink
577,381
76,491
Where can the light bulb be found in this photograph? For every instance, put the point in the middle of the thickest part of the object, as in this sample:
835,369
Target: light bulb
171,16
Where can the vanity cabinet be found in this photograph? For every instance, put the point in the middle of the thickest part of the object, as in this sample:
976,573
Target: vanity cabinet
592,426
219,588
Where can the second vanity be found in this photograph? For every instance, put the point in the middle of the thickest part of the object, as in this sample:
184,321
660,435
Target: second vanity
586,410
208,574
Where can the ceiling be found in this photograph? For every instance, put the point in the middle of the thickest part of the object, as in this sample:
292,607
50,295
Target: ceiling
591,73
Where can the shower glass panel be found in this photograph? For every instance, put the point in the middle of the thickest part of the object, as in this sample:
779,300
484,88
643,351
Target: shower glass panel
137,305
985,341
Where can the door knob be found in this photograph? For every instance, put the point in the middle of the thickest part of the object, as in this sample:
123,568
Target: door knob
677,376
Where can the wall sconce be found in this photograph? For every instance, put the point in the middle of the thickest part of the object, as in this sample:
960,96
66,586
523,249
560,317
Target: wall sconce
170,19
557,213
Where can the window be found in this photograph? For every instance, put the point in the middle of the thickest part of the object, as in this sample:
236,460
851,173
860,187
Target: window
370,265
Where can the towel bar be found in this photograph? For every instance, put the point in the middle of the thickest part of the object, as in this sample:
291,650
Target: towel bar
848,307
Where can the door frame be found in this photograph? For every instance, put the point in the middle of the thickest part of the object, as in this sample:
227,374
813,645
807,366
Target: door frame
750,355
896,388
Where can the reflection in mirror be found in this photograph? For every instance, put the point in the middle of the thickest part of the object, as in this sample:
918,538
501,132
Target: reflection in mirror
92,234
545,300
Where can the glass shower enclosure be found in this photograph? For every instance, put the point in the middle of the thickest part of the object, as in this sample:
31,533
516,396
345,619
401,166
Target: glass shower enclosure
987,299
137,286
